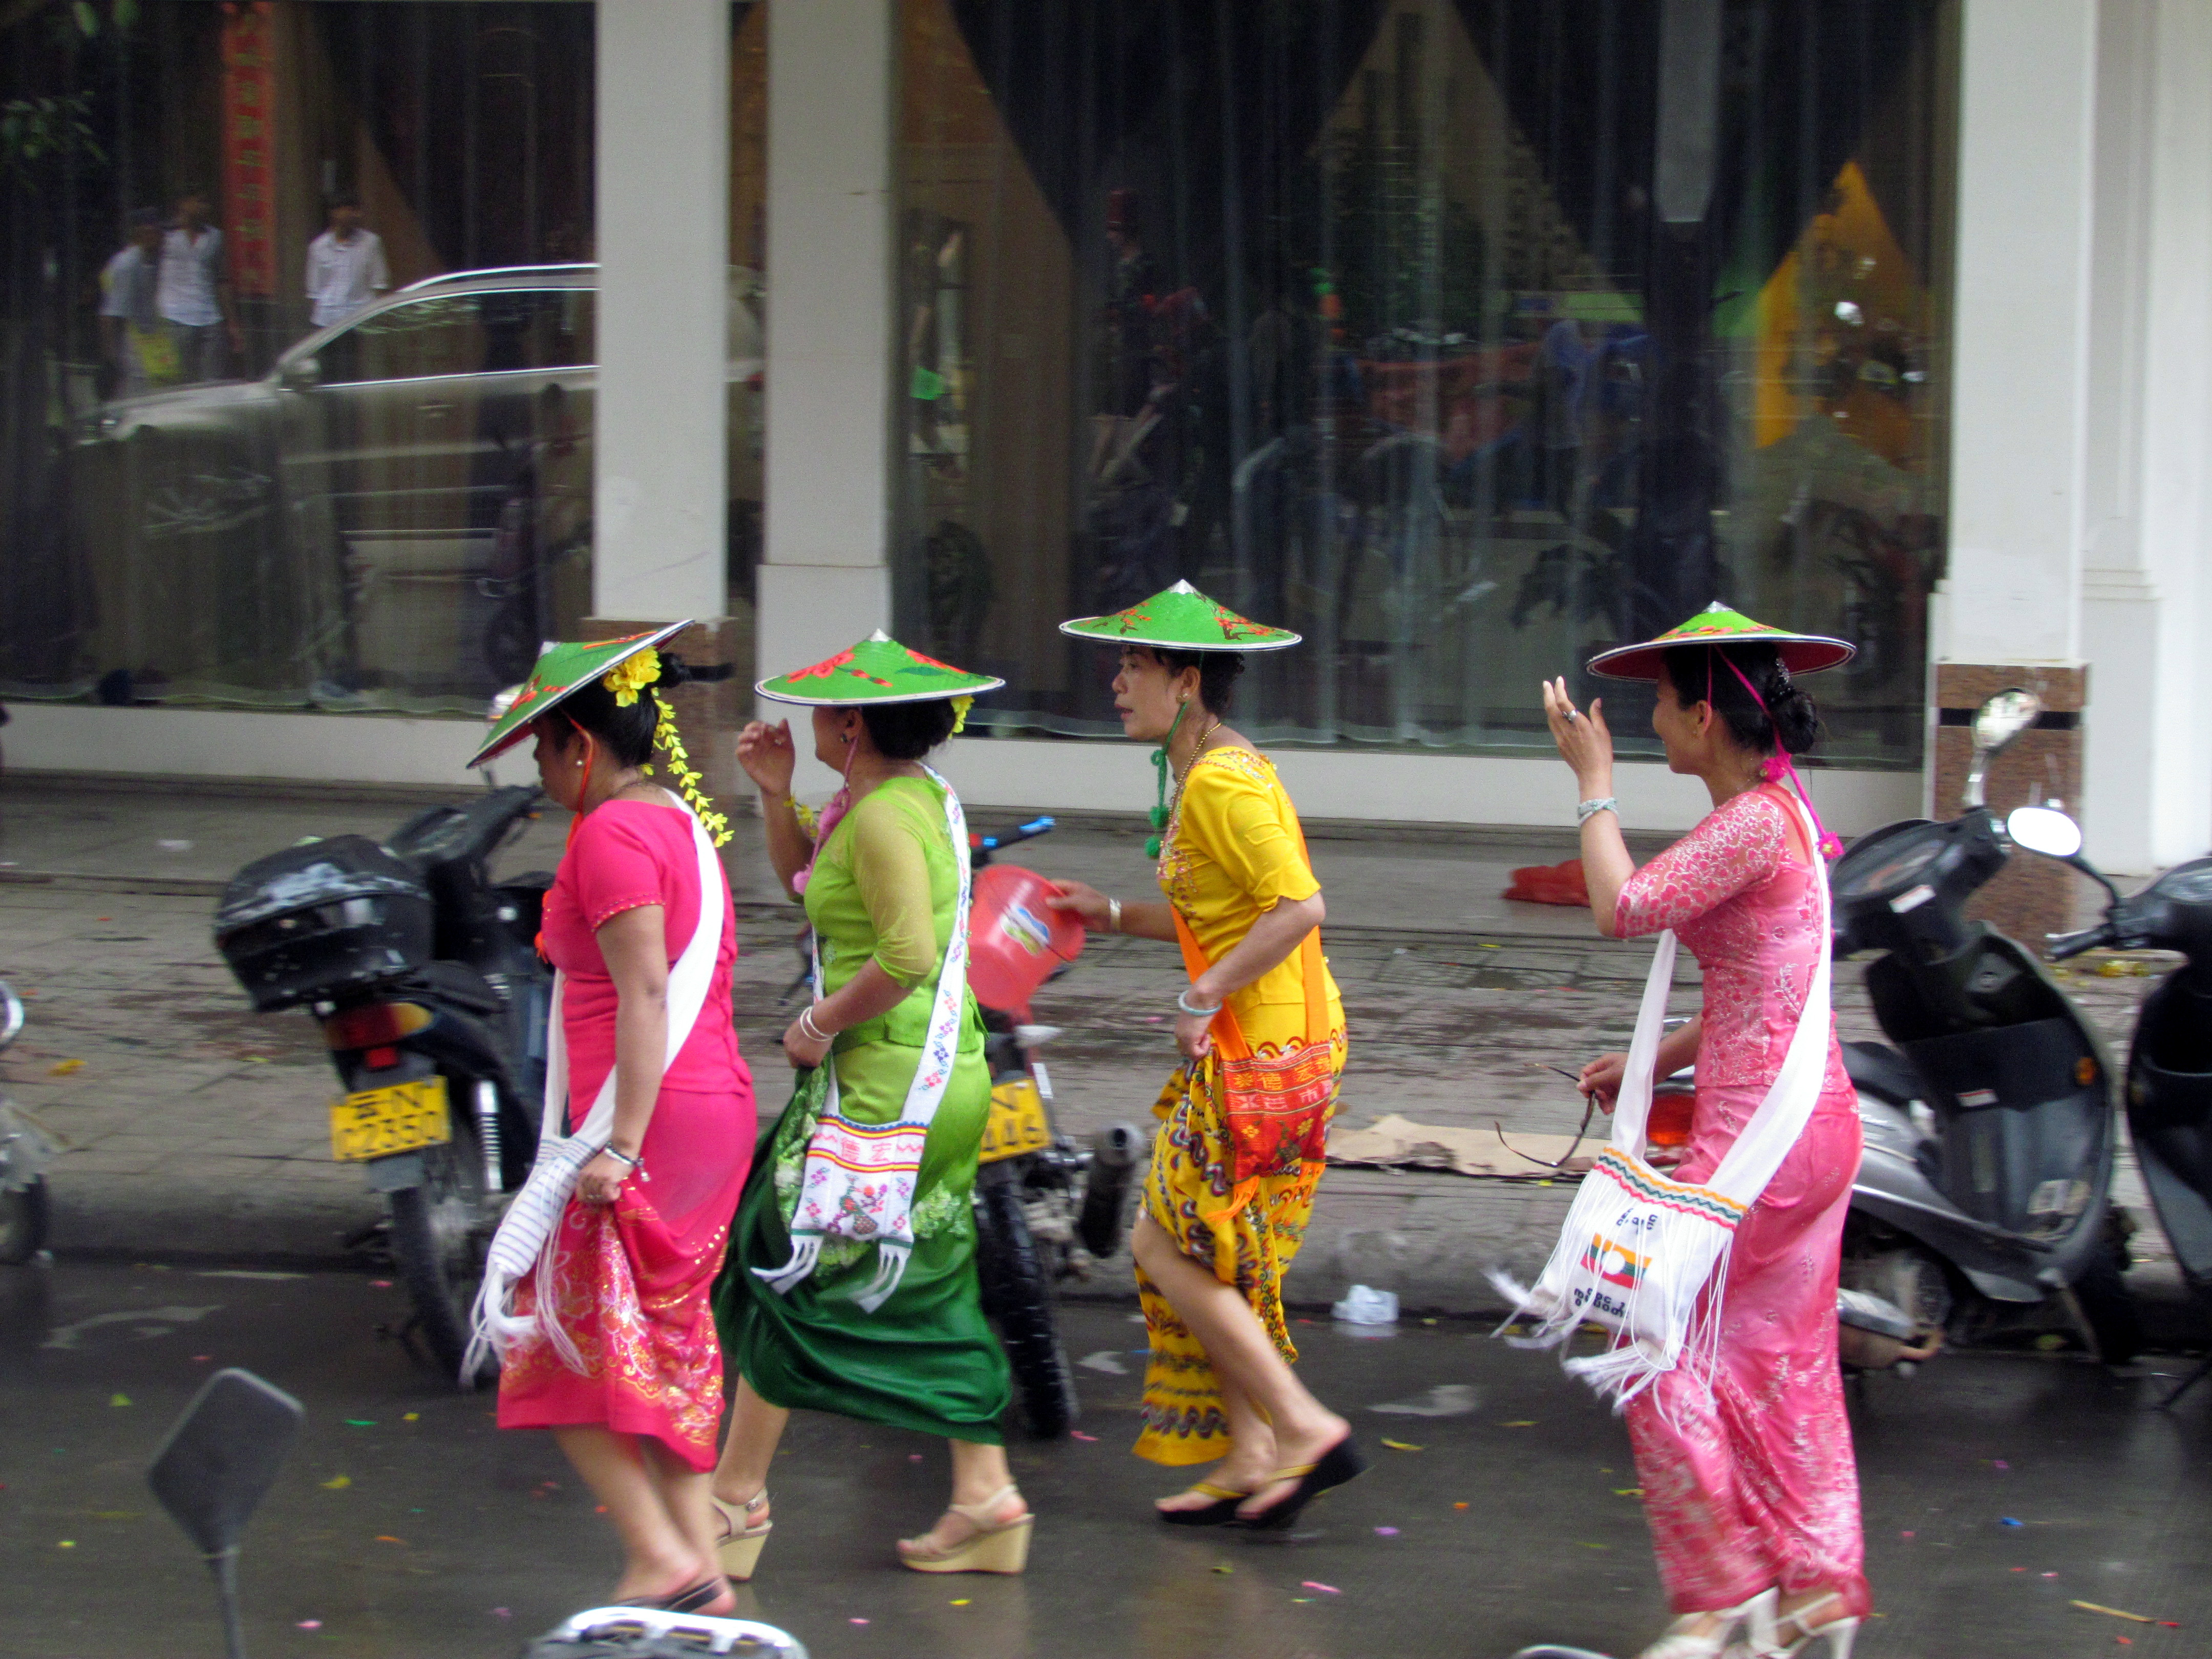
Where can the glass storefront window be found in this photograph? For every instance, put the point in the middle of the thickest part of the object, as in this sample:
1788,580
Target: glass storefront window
1465,336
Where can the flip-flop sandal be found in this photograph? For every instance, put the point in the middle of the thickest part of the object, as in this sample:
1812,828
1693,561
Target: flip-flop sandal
692,1598
1220,1513
1340,1463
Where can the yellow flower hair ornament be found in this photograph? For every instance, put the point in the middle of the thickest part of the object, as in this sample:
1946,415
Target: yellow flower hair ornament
960,708
632,675
666,738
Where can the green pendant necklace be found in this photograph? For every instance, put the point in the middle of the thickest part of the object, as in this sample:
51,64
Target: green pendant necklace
1160,770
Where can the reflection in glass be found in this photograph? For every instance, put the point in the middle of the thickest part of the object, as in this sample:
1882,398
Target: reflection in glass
1364,316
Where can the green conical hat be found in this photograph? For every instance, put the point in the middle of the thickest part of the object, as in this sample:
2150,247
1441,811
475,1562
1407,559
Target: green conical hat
877,670
1180,618
1800,654
562,668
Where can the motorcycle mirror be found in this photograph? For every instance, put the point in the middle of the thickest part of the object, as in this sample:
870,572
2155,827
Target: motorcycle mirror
301,374
1996,724
11,1014
2045,830
217,1464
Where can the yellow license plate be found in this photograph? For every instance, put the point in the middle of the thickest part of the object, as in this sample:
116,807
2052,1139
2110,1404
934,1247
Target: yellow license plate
1017,1123
378,1122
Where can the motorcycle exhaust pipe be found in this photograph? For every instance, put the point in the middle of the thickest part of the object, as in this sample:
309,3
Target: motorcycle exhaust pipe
1117,1146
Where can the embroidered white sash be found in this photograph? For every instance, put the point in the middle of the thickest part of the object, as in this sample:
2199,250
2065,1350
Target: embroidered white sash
523,1241
858,1179
1639,1249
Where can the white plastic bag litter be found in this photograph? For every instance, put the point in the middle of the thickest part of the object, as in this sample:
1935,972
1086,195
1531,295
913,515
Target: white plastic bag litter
1363,1306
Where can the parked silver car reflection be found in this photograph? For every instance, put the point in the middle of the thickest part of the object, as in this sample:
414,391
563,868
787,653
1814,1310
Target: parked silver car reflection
395,516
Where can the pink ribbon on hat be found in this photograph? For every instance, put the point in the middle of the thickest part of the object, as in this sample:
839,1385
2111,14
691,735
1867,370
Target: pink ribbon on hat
1777,766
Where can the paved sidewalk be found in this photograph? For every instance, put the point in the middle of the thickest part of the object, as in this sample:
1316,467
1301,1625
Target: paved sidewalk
198,1126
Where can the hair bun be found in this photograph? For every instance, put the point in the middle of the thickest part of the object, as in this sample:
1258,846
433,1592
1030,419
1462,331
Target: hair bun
1796,719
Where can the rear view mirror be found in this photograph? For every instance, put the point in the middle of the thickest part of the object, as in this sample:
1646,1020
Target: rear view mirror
2045,830
301,374
1996,724
217,1464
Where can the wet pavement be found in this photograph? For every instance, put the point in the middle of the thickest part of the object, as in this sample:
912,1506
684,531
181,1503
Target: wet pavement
1999,1490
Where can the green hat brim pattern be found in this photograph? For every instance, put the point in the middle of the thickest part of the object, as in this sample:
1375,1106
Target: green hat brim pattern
1800,654
1180,618
877,670
563,668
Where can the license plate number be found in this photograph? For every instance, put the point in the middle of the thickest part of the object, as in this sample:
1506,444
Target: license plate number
1017,1122
378,1122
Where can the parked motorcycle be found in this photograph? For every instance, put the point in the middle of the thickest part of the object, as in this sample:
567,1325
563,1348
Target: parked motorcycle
25,1149
424,975
1991,1114
2169,1080
1045,1208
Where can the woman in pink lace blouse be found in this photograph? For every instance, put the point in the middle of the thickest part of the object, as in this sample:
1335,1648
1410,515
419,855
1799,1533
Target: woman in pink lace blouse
1750,1487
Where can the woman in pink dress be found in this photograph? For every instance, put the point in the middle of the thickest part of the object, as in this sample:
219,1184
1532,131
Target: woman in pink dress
1750,1485
610,1340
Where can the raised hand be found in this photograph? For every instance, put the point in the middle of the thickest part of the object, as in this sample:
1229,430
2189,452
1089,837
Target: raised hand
1584,741
766,753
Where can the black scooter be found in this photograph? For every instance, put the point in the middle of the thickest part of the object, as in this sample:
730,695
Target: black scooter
1990,1123
424,973
2169,1081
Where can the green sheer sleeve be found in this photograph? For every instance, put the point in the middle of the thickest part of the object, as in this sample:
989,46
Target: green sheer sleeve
891,867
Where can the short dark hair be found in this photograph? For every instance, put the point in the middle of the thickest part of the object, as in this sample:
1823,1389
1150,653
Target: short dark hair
1789,719
341,198
1218,671
908,731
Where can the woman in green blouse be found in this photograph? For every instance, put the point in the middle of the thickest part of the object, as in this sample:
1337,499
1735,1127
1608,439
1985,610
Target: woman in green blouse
851,1285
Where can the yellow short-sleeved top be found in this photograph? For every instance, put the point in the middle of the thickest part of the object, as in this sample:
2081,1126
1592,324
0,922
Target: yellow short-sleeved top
1231,852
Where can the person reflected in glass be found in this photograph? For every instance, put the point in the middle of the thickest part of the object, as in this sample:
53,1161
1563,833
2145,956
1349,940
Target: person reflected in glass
346,268
1243,1119
139,354
192,293
1750,1482
852,1284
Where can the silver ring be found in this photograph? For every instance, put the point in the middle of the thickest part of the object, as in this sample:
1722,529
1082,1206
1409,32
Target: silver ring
1572,715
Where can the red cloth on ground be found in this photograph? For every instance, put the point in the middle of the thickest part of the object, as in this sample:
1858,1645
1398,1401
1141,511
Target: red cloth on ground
632,1281
1550,884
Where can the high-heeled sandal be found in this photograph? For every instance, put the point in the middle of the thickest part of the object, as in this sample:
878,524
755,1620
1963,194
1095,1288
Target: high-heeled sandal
738,1552
1218,1513
1765,1641
709,1596
1341,1462
1004,1547
1680,1642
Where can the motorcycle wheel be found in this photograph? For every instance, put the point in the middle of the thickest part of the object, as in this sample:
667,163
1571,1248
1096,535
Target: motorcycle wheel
440,1232
2107,1305
26,1214
1017,1296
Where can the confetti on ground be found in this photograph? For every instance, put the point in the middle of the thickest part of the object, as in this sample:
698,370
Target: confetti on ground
1908,1534
1399,1445
412,1416
361,1422
1218,1567
66,1544
1080,1435
1596,1547
1386,1532
2007,1520
1316,1584
1520,1423
118,1400
1459,1506
1999,1464
63,1067
914,1457
386,1538
2114,1613
1628,1492
202,1359
856,1621
503,1613
962,1602
379,1284
337,1483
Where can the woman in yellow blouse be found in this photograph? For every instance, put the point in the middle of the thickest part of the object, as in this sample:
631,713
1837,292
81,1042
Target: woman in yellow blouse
1245,1118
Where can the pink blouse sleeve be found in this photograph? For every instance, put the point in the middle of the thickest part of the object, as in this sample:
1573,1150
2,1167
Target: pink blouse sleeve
617,868
1732,850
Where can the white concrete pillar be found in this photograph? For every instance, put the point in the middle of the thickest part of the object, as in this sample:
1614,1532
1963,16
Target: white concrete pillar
831,268
2020,306
660,486
2147,598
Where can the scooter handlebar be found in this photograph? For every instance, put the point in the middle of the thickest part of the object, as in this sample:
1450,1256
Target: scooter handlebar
2063,945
